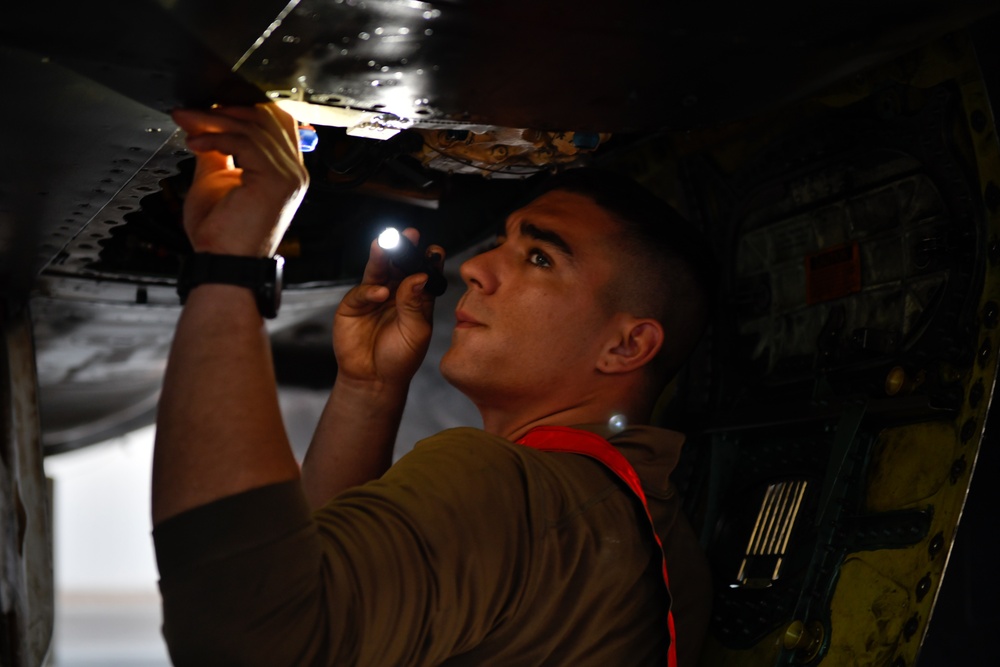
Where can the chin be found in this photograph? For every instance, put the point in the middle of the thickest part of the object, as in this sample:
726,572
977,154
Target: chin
463,377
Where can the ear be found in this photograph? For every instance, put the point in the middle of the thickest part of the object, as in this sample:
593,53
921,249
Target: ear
634,343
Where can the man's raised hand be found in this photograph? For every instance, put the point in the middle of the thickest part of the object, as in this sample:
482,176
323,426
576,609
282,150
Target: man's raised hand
383,326
249,178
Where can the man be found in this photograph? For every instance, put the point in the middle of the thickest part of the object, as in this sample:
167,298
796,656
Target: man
472,549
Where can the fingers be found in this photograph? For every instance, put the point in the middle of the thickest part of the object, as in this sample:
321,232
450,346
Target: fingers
268,117
249,179
379,267
262,138
380,270
413,235
411,299
381,280
435,254
382,327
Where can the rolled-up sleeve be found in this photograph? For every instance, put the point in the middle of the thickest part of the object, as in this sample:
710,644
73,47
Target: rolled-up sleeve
227,570
406,570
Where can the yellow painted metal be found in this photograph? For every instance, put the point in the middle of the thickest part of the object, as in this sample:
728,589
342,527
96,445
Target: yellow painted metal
910,466
883,599
870,610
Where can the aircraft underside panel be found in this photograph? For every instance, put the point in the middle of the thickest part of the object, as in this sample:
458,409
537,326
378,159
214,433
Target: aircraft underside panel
854,359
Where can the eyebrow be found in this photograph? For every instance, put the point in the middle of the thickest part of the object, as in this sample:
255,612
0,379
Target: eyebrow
546,236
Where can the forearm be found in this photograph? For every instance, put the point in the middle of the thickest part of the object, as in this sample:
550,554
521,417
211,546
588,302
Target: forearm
354,439
219,428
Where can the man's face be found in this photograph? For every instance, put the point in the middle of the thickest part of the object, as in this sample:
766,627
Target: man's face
532,322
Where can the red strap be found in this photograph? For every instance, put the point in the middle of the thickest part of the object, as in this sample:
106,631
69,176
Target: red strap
576,441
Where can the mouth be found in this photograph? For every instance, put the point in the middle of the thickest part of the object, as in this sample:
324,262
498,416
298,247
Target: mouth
465,321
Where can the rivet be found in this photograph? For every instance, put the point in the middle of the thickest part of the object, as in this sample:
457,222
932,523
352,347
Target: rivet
937,542
991,314
923,586
957,469
968,430
976,393
985,350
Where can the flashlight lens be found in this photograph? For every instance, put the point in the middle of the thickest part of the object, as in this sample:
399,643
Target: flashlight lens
308,138
388,239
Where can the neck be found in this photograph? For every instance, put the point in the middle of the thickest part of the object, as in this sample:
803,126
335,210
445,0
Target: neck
512,412
514,423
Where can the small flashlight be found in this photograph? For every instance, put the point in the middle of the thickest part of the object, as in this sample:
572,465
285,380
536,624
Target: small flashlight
407,258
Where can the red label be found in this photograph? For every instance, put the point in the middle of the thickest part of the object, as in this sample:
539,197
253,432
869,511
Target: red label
833,273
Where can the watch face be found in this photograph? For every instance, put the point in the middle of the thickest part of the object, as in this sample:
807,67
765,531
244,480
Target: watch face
271,290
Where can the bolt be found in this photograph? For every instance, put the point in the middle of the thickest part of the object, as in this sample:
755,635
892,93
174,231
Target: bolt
803,639
895,381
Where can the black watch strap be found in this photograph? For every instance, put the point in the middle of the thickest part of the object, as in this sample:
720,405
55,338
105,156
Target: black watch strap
261,275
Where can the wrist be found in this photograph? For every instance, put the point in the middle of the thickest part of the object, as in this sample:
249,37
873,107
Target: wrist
377,396
262,276
208,239
231,249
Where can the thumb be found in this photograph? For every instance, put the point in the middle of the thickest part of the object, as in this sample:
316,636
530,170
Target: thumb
211,161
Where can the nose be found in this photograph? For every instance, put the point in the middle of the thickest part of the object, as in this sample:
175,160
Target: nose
479,271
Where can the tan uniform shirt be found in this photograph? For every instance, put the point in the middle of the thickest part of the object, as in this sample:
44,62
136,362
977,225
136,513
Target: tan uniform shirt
470,550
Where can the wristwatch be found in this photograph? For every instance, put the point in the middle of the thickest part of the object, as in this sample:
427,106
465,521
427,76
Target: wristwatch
262,275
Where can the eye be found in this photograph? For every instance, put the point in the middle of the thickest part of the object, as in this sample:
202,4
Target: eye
539,259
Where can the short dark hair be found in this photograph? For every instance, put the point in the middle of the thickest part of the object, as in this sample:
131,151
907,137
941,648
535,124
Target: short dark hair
669,272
